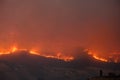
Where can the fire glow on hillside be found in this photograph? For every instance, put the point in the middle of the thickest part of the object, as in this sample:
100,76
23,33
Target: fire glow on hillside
59,55
112,58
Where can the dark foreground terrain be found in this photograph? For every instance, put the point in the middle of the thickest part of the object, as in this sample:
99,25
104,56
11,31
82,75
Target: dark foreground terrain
25,66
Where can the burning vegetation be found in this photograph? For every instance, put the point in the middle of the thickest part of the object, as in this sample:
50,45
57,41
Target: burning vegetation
60,56
14,49
112,58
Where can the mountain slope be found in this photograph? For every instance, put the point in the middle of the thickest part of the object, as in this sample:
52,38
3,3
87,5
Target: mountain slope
25,66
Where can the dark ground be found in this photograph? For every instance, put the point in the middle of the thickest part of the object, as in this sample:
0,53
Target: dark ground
26,66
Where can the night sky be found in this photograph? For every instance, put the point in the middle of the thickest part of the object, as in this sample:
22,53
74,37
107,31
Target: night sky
61,25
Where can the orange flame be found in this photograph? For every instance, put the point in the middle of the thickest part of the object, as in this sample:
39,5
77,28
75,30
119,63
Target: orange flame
62,57
94,55
99,58
14,49
59,56
114,57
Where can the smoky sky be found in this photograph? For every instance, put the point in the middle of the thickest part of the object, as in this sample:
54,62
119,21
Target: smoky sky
61,24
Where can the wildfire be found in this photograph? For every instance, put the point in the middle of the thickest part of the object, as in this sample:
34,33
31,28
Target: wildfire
14,48
59,56
114,57
34,52
101,59
62,57
94,55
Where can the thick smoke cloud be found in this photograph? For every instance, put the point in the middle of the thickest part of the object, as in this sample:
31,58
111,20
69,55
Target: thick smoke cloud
60,25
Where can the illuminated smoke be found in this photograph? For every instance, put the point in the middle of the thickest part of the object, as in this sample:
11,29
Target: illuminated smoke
54,26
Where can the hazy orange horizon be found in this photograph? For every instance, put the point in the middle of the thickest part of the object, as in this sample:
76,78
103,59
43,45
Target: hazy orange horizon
61,26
